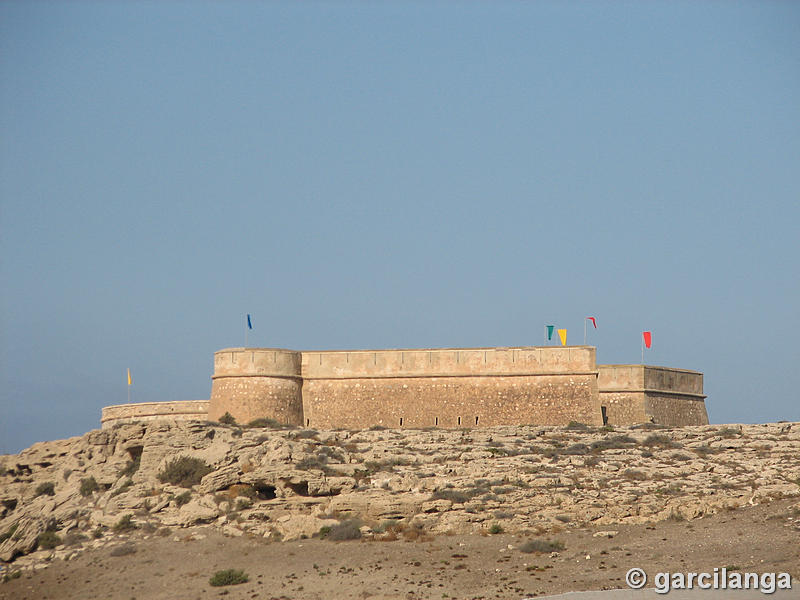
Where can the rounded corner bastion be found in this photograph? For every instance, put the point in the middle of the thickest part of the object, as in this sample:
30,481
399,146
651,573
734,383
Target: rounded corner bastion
253,383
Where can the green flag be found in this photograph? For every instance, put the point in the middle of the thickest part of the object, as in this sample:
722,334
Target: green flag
550,329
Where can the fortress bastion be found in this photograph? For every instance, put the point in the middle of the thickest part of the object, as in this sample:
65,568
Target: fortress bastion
435,387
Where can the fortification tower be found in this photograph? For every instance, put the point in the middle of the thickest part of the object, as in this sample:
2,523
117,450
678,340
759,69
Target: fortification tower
253,383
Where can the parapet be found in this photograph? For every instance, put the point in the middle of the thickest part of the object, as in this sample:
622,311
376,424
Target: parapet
448,362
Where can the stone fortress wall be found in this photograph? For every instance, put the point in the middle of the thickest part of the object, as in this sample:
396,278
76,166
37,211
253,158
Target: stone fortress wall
182,410
447,388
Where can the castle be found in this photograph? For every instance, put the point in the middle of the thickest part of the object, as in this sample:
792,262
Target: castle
436,387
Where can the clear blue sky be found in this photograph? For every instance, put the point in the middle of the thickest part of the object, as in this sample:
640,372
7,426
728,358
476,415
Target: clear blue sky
378,175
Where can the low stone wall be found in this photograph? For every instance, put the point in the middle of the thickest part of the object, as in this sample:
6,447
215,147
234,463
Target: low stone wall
181,410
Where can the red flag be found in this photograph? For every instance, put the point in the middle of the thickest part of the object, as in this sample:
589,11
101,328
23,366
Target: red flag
648,338
593,321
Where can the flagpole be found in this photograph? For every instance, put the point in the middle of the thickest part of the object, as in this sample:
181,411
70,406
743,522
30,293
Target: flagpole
544,336
642,348
584,331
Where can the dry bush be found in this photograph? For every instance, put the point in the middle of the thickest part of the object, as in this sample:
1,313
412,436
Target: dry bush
541,546
184,471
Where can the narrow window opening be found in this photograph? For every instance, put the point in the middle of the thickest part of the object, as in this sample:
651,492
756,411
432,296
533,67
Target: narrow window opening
401,421
308,422
459,420
605,415
476,420
436,421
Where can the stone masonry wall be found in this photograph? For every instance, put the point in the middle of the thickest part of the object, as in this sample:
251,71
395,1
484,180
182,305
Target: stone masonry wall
623,408
182,410
450,388
674,410
253,383
249,398
633,394
450,402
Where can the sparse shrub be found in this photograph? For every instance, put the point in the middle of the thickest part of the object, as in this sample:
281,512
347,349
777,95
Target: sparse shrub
634,475
705,450
47,488
243,503
13,575
455,496
346,530
312,462
184,471
541,546
304,434
496,528
576,426
266,423
74,538
728,433
131,467
676,515
493,450
98,532
563,518
648,426
576,450
88,486
183,498
123,549
227,419
124,524
126,485
48,540
377,428
324,531
613,443
11,531
659,440
228,577
385,525
66,474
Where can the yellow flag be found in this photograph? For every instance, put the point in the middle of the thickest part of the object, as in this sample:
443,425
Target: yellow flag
130,381
562,333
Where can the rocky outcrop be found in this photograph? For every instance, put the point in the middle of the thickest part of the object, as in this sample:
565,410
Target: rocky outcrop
287,484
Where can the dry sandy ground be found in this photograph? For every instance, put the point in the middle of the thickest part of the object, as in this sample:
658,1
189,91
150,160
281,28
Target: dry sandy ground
762,539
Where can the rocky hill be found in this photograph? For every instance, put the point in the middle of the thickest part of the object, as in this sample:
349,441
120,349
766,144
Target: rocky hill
57,498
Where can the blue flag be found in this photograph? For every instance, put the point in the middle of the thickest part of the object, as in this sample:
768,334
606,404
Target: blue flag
249,324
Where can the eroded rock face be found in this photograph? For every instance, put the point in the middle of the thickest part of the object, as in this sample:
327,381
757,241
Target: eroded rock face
287,484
